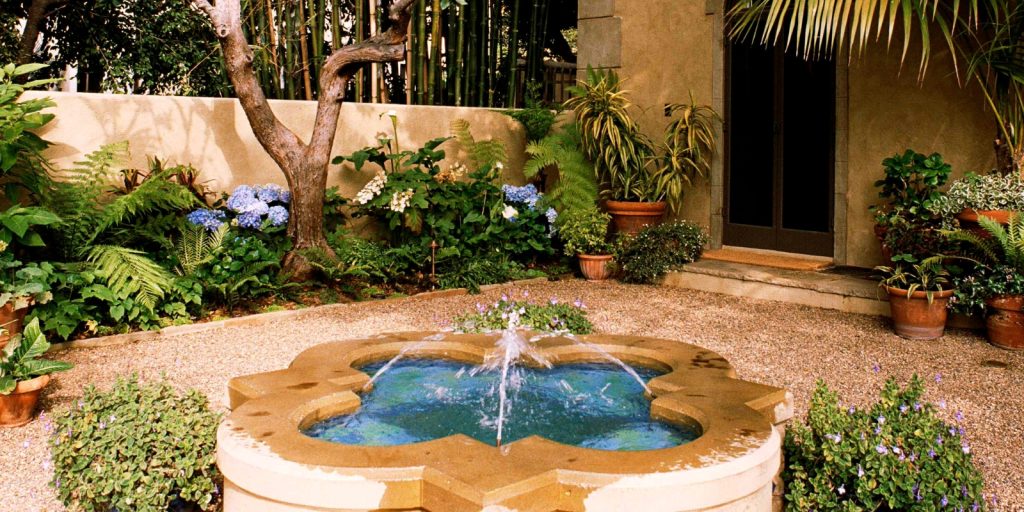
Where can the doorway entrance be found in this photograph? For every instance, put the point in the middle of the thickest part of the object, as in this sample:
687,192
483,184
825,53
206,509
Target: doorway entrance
780,161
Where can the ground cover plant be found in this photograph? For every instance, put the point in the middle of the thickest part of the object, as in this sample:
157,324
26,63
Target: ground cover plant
894,455
552,315
138,447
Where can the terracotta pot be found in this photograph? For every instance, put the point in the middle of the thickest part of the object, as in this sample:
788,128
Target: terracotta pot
969,219
1005,322
19,407
915,318
11,321
629,217
595,268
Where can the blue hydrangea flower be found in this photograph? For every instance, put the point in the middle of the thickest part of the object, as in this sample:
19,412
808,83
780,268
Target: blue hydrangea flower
526,194
552,216
209,219
278,215
286,197
269,193
241,197
250,220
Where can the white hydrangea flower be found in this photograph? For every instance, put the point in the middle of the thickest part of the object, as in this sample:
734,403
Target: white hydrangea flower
372,189
509,212
400,200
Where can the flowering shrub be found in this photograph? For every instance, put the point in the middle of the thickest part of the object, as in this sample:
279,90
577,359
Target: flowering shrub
248,207
896,455
463,211
136,447
552,315
973,289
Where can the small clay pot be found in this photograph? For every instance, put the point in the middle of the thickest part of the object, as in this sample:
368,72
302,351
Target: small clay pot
19,407
629,217
595,268
11,320
1005,322
915,318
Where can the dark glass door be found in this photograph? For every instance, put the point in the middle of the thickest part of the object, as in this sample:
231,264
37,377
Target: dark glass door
780,138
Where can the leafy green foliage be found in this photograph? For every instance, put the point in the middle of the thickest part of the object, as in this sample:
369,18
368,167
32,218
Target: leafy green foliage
550,316
18,223
585,232
895,455
195,246
536,118
21,161
136,447
981,192
331,267
482,153
462,211
23,284
911,185
998,269
244,266
928,276
687,150
380,263
21,359
576,187
472,273
129,272
657,249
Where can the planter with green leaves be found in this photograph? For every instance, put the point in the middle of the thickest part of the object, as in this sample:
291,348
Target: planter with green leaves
639,178
996,284
918,298
585,233
989,195
23,375
20,284
906,223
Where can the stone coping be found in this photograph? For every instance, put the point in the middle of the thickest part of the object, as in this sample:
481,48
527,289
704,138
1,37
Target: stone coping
259,319
266,459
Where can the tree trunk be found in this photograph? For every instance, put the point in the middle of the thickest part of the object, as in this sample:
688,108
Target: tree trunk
38,10
304,165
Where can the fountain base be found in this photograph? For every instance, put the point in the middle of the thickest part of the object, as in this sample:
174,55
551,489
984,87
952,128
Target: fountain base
269,465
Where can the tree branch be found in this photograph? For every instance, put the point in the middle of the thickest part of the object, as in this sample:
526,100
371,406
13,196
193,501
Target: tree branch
37,12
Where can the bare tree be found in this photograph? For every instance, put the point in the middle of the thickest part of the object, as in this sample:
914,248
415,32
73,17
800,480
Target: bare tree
303,164
35,15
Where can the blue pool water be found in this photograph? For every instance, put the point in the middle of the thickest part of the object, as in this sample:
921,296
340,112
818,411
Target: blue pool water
589,405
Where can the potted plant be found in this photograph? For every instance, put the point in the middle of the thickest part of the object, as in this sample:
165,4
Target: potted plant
23,375
906,224
585,233
20,284
990,195
639,179
997,280
918,298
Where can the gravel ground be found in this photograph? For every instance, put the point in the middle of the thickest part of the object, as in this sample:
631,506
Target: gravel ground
770,342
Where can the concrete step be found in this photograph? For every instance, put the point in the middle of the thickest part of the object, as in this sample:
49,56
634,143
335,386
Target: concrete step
851,291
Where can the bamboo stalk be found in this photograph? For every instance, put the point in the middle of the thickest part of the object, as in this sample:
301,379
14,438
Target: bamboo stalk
460,55
435,51
307,79
513,55
449,43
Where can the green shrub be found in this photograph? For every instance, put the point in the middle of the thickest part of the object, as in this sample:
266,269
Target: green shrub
136,447
472,273
657,249
551,316
244,266
585,232
897,455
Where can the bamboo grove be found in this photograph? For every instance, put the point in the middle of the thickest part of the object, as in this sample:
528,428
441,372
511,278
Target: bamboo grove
473,53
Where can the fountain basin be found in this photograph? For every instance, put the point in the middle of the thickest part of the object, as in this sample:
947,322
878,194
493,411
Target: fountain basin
270,465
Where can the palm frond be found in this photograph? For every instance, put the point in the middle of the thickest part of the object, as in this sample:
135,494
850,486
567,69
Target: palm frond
131,272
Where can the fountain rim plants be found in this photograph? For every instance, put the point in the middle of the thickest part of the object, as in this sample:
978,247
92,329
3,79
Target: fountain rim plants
265,457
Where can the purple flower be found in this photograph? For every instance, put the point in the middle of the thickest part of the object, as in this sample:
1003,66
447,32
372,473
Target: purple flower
881,449
904,408
942,404
938,440
931,453
917,406
278,215
579,303
554,301
965,447
526,293
269,193
876,368
944,501
878,430
526,194
959,415
881,420
917,491
851,410
938,377
480,308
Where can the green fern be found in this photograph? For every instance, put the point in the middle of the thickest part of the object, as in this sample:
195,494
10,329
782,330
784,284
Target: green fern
130,272
195,247
481,153
332,267
576,188
153,195
1004,246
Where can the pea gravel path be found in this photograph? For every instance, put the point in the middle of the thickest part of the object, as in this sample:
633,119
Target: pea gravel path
775,343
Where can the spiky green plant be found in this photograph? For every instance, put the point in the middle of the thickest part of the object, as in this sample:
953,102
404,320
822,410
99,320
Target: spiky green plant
1004,246
687,151
130,272
195,247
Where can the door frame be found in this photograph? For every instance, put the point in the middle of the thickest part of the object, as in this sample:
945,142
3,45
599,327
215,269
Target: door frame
840,203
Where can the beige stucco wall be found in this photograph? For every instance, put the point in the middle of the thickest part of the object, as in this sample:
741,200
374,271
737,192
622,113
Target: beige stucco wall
666,48
890,110
213,134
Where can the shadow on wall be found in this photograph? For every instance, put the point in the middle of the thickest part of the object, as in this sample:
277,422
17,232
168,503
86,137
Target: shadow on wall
213,134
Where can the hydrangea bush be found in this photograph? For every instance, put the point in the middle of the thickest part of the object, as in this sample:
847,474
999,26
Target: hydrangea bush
248,207
895,455
550,316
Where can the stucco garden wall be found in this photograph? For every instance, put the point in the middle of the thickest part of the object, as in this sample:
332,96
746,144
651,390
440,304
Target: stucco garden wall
213,134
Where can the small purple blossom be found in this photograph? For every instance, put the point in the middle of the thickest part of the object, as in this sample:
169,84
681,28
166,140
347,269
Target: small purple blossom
554,301
841,490
959,416
938,377
917,491
881,449
931,453
851,410
938,440
942,404
944,501
917,406
876,368
904,408
881,420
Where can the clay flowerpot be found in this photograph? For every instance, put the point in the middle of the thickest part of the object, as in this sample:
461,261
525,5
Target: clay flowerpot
915,318
629,217
1005,322
11,320
595,268
19,407
969,219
